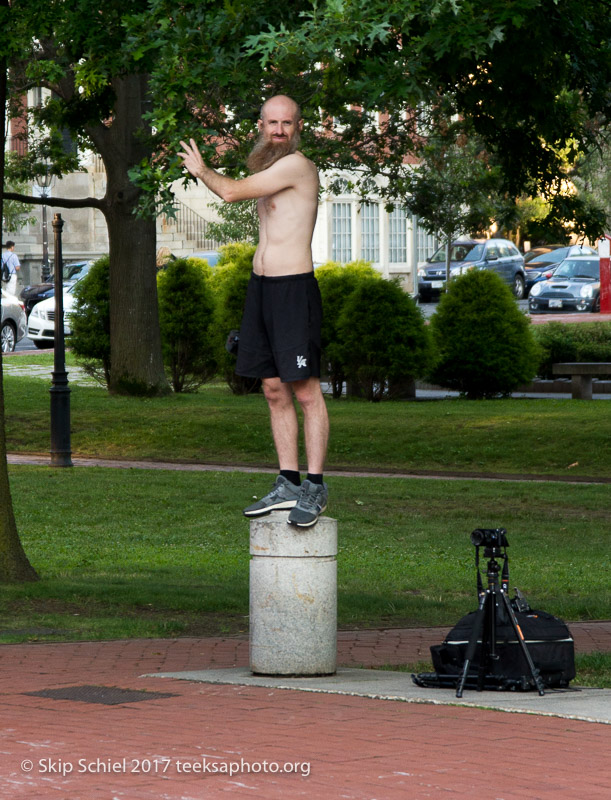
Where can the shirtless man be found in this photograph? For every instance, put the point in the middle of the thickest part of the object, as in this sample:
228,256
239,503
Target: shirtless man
280,332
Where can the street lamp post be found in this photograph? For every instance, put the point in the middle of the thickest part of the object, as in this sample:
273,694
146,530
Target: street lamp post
60,392
44,182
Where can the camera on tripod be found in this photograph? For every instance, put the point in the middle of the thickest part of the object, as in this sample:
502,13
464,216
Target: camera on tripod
504,644
489,537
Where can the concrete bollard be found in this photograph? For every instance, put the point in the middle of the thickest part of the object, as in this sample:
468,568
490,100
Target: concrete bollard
293,597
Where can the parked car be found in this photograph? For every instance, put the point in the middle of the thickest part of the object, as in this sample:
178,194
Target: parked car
542,265
72,272
41,322
575,286
211,256
540,251
13,324
499,255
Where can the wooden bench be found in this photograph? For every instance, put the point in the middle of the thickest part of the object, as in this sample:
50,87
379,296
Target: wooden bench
581,373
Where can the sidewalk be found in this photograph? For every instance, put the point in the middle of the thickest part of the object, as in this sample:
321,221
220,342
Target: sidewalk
177,740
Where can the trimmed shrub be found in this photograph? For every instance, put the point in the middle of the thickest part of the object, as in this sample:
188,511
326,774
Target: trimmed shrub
185,317
90,321
383,338
583,341
484,342
336,283
229,282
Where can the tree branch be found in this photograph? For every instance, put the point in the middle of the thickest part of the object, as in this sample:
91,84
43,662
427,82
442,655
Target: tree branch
60,202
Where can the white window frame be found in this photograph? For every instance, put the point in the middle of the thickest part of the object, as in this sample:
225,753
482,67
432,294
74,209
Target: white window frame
341,231
370,232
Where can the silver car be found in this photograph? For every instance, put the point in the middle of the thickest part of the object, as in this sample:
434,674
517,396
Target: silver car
574,286
13,327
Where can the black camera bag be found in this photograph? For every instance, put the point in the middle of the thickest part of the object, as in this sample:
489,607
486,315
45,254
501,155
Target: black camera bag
547,639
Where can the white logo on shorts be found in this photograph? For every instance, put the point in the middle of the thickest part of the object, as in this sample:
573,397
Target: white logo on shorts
302,361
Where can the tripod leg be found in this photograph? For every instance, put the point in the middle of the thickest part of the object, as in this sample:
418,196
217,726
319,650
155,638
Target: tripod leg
488,651
536,676
478,627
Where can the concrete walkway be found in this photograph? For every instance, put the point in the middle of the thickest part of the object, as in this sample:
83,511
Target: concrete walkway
80,721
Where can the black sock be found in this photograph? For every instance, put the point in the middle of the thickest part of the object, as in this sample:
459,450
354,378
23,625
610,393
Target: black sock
315,478
292,476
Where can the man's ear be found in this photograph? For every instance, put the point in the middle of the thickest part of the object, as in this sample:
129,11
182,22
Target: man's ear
260,124
300,124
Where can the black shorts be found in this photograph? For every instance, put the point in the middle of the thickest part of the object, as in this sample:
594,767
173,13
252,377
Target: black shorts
280,332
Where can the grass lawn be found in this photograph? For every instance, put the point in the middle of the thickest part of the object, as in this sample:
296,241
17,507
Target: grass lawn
128,553
124,553
514,436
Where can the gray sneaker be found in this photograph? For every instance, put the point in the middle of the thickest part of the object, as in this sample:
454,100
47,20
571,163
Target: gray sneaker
284,495
312,502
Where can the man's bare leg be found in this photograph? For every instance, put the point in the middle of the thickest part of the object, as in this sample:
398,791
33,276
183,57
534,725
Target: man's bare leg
314,493
309,502
286,491
284,422
315,422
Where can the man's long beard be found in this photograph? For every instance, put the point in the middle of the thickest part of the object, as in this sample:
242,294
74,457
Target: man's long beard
266,152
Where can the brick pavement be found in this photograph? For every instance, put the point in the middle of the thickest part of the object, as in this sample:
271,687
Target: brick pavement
337,746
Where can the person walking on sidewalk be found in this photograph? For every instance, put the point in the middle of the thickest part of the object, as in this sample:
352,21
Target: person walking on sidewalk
280,332
10,263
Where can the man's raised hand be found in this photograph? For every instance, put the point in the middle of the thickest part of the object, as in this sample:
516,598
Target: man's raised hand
192,159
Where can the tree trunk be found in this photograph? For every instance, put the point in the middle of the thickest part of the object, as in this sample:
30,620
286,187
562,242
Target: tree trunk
136,366
14,564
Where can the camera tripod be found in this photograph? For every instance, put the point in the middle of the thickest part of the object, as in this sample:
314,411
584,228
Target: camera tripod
484,628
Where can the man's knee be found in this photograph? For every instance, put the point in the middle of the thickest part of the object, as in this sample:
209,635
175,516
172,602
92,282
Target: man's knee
276,393
308,393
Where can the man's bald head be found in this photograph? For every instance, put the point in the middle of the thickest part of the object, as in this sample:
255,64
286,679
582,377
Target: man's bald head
279,132
281,104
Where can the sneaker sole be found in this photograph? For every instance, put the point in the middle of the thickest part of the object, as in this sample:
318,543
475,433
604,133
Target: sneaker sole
285,505
307,524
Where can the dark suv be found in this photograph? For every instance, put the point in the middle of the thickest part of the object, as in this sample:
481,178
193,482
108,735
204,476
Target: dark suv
499,255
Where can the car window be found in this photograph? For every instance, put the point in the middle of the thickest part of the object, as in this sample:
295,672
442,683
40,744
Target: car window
70,270
475,253
492,251
461,251
79,273
579,269
513,250
556,256
553,257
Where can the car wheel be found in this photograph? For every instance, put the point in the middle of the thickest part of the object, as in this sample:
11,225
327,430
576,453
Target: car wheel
596,306
519,288
8,337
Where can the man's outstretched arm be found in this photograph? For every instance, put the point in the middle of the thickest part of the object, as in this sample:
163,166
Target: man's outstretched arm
286,172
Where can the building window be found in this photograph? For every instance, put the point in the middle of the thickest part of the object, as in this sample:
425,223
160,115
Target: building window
341,240
370,232
427,244
397,236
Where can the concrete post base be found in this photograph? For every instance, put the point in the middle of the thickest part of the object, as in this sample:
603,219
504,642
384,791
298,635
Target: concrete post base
293,597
